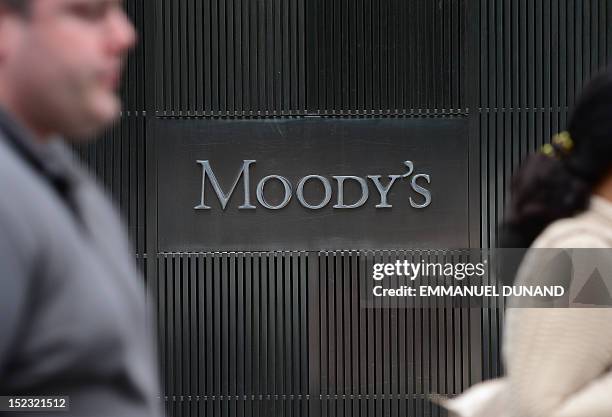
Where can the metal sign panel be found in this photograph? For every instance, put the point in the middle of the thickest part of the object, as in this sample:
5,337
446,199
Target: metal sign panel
312,184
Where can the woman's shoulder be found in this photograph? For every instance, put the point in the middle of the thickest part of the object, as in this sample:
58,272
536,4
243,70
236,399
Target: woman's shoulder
590,229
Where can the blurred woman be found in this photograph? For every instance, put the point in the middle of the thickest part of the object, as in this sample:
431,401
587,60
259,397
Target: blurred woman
558,360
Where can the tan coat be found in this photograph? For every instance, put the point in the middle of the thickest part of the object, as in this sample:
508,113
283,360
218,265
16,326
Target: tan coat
557,359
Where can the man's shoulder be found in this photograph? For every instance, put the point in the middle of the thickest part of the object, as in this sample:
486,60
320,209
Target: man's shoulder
20,208
28,204
19,183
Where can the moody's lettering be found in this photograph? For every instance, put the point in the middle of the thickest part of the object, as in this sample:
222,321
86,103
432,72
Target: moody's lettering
417,182
225,197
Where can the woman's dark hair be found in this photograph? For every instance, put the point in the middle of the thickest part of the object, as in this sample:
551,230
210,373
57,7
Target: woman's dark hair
552,186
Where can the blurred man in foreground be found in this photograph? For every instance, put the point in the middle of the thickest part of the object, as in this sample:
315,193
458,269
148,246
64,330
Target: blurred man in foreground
72,311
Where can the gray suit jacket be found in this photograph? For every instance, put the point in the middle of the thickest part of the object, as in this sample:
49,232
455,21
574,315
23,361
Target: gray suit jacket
72,309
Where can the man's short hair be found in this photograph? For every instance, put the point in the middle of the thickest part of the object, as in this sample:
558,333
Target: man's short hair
20,5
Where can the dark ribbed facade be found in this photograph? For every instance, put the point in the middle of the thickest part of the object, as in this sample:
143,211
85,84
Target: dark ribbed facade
273,332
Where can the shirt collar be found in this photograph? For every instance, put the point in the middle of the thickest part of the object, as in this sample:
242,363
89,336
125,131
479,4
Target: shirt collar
52,159
601,206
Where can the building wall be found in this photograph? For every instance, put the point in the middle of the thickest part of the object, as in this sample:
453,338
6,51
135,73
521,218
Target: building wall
282,332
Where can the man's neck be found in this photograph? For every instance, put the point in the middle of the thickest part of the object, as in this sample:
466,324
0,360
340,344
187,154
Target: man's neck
12,108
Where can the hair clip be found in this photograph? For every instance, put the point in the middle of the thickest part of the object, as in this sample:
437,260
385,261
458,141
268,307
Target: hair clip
561,145
563,141
548,150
